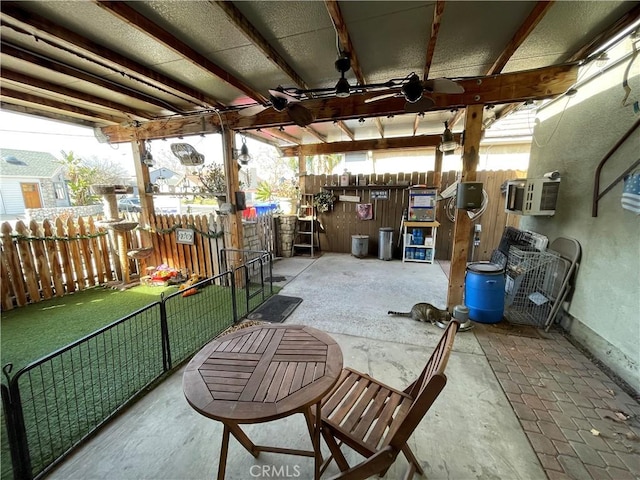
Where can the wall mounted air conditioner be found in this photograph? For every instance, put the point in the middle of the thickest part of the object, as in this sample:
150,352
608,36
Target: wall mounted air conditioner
532,196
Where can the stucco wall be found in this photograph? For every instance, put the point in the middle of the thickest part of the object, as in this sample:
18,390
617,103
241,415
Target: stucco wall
573,136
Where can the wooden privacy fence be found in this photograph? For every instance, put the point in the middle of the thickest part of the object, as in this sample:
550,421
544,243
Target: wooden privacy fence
61,256
58,257
338,225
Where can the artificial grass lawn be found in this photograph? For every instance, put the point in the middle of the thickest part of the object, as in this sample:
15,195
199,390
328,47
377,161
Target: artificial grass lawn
67,397
33,331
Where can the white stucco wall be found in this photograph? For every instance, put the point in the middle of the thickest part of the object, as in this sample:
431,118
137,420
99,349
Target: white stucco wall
573,136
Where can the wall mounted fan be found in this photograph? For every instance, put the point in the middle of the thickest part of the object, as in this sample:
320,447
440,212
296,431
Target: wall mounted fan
187,154
413,90
280,100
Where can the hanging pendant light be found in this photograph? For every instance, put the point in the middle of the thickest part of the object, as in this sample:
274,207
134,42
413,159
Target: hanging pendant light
244,157
147,158
449,143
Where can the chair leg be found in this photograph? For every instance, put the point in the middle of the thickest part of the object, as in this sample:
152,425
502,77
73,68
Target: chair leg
336,453
412,459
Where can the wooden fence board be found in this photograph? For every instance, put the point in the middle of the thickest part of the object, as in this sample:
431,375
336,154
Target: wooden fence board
5,292
96,255
13,265
85,251
53,258
42,264
64,254
28,263
75,256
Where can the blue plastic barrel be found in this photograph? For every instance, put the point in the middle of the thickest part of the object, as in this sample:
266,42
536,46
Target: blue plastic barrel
484,292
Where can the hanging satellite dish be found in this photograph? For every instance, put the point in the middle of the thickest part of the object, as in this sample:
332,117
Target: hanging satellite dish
187,154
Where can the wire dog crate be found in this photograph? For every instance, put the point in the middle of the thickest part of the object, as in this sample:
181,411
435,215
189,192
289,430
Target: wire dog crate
530,285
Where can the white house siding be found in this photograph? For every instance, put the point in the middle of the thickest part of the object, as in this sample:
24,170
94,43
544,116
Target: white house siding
12,199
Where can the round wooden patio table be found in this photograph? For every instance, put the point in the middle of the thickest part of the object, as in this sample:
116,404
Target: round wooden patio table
261,374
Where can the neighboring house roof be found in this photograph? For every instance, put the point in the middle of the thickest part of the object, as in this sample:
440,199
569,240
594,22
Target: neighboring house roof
25,163
162,173
190,179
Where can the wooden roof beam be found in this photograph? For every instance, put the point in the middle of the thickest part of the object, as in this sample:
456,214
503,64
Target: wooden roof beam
420,141
343,126
438,11
534,17
57,66
534,84
623,23
316,134
38,112
241,22
282,135
129,15
416,123
44,29
497,89
57,105
40,84
345,41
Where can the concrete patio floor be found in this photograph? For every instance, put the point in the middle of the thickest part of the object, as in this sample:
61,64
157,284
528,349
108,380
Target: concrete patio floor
514,407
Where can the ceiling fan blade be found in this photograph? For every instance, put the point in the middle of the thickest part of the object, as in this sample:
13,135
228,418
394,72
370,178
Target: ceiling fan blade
422,105
443,85
381,97
286,96
300,115
252,110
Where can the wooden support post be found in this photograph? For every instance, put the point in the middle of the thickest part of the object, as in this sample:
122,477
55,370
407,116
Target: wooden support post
437,170
462,228
233,186
142,179
302,173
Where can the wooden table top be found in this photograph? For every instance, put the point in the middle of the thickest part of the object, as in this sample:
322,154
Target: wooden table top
262,373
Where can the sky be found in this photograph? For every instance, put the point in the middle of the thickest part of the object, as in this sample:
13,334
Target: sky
27,132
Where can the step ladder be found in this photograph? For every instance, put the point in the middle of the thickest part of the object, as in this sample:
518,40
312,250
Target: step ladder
306,238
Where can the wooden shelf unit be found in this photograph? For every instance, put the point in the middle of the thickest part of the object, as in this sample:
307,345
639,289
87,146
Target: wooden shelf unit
425,251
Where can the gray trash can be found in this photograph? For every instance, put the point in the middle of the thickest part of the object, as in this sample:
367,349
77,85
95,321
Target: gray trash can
385,243
359,245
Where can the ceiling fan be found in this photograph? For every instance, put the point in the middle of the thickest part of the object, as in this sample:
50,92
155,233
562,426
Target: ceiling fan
289,98
410,87
413,90
280,100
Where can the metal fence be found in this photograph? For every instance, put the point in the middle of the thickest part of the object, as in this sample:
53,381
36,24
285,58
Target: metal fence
54,404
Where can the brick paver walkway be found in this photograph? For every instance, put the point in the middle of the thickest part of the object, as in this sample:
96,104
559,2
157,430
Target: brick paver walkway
573,414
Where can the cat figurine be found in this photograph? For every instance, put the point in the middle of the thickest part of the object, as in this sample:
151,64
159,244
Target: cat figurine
424,312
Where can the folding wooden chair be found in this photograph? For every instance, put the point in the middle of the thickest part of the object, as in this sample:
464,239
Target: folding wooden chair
376,420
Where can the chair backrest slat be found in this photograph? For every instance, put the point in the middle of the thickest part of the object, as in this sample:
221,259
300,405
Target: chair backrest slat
426,388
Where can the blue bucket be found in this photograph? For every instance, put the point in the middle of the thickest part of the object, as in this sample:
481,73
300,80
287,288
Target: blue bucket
484,292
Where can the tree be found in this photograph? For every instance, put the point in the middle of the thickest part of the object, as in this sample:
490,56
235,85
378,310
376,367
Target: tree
107,172
323,164
212,178
80,177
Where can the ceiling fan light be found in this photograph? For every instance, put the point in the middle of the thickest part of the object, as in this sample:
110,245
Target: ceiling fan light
412,90
279,103
343,89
